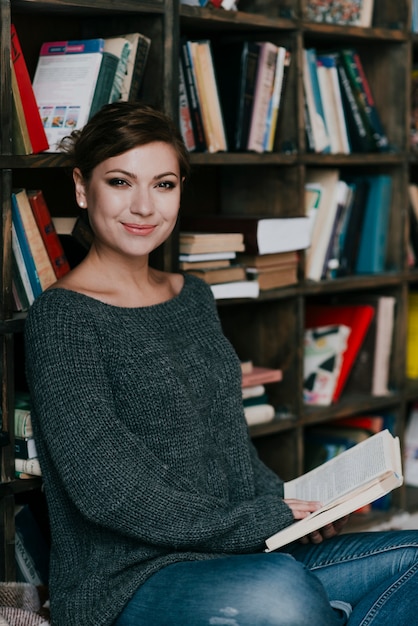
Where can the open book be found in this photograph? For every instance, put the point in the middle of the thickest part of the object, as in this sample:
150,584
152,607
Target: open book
344,484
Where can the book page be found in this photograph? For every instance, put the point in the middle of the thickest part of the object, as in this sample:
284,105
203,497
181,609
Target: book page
344,473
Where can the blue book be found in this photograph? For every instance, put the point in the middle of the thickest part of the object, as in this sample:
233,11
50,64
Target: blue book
373,239
24,246
311,61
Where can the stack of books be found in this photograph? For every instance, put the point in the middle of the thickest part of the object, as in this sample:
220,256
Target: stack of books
212,257
26,456
272,270
257,407
341,115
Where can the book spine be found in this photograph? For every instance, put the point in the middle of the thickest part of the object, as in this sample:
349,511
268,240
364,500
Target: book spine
249,63
265,80
21,143
35,127
141,57
191,90
363,95
22,423
49,234
23,242
104,82
316,108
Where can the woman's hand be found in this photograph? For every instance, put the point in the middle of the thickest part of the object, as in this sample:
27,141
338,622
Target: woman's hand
302,508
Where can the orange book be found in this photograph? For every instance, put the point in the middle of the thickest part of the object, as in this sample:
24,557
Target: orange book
35,127
49,235
357,318
261,376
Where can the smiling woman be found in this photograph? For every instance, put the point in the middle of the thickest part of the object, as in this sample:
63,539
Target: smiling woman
159,504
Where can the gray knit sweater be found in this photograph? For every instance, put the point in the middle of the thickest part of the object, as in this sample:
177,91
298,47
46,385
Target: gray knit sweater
143,446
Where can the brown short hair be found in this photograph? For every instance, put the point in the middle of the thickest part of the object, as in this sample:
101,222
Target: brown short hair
120,127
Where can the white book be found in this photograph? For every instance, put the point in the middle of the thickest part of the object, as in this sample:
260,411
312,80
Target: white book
349,481
385,315
237,289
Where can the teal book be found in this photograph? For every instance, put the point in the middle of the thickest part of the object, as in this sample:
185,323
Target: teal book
104,84
25,248
373,239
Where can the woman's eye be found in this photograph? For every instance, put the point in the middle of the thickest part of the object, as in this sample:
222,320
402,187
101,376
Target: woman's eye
117,182
166,184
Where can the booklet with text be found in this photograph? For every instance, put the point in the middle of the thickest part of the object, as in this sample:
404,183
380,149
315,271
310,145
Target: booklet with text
354,478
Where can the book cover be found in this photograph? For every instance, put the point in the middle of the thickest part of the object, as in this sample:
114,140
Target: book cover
371,257
262,235
349,481
266,69
323,351
35,128
44,268
185,114
351,232
20,272
64,84
282,68
49,234
357,318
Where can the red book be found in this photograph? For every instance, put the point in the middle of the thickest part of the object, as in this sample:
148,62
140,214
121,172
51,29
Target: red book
49,234
357,318
36,130
261,376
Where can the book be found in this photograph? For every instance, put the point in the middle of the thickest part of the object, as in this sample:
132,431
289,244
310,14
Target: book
269,261
208,95
104,83
274,277
264,87
49,234
20,272
353,12
322,360
212,276
20,296
331,260
194,265
192,96
28,466
22,423
32,549
359,135
262,235
276,99
64,84
411,447
197,242
352,228
121,48
37,136
136,65
315,109
328,180
185,114
412,336
370,371
371,258
44,268
357,318
363,94
207,256
236,289
330,91
236,70
21,143
23,253
259,414
354,478
25,448
260,375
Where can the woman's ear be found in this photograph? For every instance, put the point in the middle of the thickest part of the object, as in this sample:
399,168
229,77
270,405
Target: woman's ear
80,188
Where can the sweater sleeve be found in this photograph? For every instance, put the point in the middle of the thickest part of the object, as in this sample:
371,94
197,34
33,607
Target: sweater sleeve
107,473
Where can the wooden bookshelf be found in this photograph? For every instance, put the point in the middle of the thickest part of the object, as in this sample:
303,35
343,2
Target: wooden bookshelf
270,329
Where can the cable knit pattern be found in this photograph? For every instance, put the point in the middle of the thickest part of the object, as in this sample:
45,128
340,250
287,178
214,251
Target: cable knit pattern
143,445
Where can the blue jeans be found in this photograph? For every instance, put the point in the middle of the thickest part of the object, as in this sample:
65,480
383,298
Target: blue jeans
362,579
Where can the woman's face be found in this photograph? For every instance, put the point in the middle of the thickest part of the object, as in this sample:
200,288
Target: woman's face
133,199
